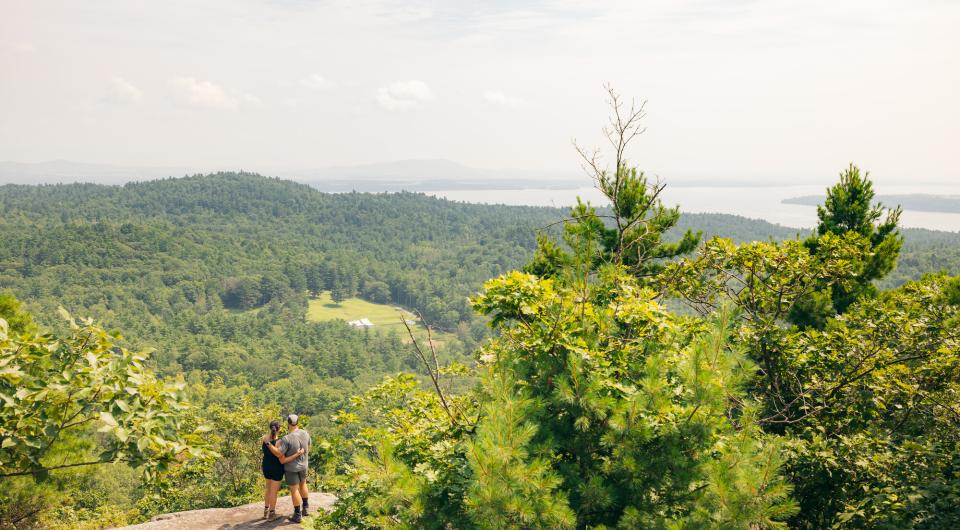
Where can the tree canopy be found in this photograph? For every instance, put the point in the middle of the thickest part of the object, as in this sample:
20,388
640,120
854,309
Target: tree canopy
632,376
598,407
849,209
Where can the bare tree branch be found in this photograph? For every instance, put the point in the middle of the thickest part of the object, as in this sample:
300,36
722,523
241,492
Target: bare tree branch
434,370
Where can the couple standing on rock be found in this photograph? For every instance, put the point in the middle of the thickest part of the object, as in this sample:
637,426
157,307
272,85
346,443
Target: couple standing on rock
286,458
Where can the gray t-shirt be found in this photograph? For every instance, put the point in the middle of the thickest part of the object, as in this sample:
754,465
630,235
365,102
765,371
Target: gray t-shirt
290,444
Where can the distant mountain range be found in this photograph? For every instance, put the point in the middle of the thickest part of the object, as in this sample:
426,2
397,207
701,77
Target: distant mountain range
401,175
916,201
429,175
408,175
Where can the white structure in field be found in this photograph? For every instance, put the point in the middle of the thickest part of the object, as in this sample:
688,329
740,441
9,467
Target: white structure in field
362,323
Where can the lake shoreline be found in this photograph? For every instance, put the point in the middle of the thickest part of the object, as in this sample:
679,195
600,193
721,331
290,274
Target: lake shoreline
764,203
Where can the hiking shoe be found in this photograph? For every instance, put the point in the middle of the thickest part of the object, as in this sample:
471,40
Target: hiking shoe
296,518
305,511
266,512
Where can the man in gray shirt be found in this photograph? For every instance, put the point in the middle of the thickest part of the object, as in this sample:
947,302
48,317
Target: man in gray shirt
295,471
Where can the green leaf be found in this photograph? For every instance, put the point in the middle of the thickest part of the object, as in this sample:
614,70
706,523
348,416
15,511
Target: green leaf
108,419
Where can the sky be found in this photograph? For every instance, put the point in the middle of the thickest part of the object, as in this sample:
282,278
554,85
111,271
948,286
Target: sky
767,91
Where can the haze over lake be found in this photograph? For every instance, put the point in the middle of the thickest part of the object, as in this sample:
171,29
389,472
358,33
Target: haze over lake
756,202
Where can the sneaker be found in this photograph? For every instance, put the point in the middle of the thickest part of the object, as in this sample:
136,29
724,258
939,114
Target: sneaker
266,511
271,515
296,517
305,510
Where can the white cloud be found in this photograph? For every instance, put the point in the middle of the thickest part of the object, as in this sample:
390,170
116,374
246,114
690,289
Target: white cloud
189,92
740,82
402,95
504,100
316,82
121,92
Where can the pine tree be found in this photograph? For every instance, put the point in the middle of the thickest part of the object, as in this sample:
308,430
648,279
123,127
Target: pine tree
630,406
512,488
849,207
631,234
338,294
597,407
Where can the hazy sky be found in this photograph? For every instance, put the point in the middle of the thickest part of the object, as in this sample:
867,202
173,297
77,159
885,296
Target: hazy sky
768,89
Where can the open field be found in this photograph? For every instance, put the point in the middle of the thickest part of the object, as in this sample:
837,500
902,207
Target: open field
383,316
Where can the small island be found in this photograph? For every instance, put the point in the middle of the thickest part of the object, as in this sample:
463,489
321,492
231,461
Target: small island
916,201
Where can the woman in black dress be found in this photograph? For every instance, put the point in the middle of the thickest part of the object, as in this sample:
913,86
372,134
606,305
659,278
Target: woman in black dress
272,467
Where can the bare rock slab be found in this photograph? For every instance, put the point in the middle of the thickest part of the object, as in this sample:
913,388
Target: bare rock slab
248,516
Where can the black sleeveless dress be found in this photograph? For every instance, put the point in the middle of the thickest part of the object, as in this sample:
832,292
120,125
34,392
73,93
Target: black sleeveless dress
271,466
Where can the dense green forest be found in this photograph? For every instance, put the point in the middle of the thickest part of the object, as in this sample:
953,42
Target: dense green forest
214,270
213,273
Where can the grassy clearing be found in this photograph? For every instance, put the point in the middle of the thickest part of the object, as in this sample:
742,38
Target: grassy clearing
385,317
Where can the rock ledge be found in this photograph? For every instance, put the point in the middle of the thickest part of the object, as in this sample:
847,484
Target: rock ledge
247,516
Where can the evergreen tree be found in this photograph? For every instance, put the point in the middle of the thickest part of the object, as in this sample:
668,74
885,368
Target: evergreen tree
849,208
866,405
272,286
632,407
376,291
338,294
632,234
597,407
296,275
315,278
513,488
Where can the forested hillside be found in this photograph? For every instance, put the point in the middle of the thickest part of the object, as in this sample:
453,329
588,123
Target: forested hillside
214,270
250,228
214,273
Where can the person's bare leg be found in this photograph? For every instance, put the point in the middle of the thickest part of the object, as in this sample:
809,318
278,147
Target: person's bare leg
295,495
267,483
274,489
304,493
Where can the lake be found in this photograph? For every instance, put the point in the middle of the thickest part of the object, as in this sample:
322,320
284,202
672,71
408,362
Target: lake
757,202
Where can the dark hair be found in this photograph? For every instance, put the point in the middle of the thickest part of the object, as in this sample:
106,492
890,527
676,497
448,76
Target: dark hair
274,427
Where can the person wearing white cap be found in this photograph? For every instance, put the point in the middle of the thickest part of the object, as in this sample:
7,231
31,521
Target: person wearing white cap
295,470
